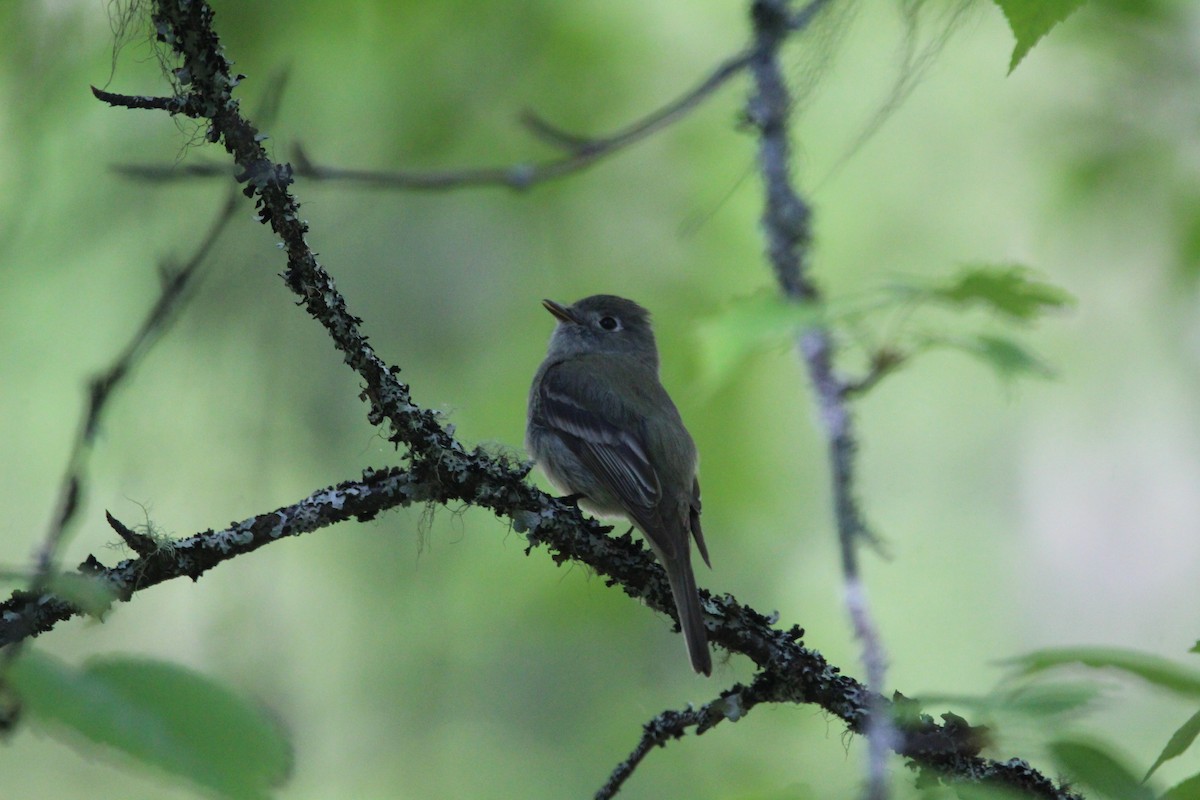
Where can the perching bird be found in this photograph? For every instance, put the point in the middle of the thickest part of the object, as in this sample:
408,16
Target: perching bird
603,429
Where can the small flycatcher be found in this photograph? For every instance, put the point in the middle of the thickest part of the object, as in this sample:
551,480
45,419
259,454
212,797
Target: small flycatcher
602,427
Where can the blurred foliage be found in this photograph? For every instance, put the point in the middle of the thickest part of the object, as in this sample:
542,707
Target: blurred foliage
1091,761
1096,767
1133,136
396,652
160,714
882,323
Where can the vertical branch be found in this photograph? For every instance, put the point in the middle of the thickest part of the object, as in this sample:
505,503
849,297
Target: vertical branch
786,224
786,217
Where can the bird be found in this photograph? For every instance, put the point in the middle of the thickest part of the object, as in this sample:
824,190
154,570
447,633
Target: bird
606,433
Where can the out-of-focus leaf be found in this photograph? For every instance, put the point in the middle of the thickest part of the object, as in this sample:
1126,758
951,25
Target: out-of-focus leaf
1188,790
160,714
1158,671
1008,289
1180,741
1009,359
1030,20
974,791
1050,699
750,325
93,595
1195,648
1094,766
1037,700
1189,240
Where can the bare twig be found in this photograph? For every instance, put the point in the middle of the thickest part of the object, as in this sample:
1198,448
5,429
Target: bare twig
172,105
173,295
175,291
177,284
581,152
178,281
657,732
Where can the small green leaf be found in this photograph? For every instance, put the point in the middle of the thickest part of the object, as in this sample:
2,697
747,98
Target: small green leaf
750,325
160,714
1188,790
1090,764
1008,289
1181,740
1195,648
1030,20
1009,359
1153,669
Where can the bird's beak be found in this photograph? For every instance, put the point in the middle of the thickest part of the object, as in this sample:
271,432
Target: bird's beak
563,313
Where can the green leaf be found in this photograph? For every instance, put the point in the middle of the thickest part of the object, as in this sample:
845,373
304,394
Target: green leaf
750,325
1090,764
1037,700
1188,790
160,714
92,595
1050,699
1181,740
1195,648
1030,20
1153,669
1008,289
1009,359
1188,237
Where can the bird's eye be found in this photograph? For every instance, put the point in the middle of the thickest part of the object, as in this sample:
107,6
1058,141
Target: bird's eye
609,323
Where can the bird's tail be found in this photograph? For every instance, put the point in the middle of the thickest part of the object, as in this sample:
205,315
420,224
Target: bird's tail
691,618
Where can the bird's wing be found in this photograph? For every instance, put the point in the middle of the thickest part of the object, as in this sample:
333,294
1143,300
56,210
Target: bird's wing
607,444
694,522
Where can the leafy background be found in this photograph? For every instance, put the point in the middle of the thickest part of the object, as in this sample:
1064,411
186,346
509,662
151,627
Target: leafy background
423,654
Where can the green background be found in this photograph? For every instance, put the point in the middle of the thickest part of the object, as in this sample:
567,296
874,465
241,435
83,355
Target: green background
423,654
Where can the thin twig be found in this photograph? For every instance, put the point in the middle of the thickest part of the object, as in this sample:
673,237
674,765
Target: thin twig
172,105
655,733
177,284
172,297
581,152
